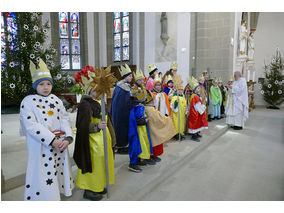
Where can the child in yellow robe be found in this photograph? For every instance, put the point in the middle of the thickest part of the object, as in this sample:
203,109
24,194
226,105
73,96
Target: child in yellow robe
178,102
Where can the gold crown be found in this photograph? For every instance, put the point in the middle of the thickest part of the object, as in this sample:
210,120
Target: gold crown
204,72
88,83
180,87
138,75
231,78
41,72
151,67
174,65
169,78
139,94
124,70
215,80
193,83
157,79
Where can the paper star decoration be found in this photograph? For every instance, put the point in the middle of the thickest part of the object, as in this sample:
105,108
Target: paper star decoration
103,81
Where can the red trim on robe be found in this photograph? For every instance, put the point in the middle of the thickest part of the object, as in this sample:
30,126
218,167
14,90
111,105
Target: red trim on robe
158,150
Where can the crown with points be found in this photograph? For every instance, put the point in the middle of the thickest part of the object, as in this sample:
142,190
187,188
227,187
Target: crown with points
204,72
215,80
41,72
169,78
157,79
138,93
124,70
231,78
193,83
174,65
151,68
220,80
138,74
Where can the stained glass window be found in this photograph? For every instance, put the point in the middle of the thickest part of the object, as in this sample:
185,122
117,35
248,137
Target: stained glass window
8,25
70,45
2,40
120,36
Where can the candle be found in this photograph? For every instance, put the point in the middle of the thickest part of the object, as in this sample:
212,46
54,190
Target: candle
253,76
248,75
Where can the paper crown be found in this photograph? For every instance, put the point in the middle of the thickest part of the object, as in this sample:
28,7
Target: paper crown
193,83
204,72
215,80
138,75
124,70
140,94
151,68
220,80
174,65
180,87
157,79
231,78
41,72
169,78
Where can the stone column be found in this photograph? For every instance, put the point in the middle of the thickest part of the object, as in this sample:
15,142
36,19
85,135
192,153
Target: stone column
102,39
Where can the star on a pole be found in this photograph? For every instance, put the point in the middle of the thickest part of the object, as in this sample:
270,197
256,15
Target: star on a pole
103,81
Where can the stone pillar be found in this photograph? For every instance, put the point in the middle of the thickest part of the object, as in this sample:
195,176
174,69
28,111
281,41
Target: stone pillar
91,40
183,45
102,39
136,38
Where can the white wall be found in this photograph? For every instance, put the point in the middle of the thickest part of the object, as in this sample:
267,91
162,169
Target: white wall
268,36
152,34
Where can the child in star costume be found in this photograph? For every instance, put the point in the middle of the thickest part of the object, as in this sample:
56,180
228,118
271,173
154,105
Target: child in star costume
89,146
215,99
197,116
178,102
45,123
140,146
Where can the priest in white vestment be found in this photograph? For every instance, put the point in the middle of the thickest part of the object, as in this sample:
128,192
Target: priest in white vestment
237,104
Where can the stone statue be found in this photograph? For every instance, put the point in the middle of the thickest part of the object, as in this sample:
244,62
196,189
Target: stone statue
164,28
243,38
251,47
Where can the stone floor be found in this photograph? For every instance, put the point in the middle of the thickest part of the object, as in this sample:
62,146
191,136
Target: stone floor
225,165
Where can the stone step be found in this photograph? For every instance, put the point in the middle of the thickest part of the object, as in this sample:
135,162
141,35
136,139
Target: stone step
175,154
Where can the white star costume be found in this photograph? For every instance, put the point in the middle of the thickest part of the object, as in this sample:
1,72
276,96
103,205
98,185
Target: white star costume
48,171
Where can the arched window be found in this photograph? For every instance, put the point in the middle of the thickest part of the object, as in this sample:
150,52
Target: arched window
70,40
120,36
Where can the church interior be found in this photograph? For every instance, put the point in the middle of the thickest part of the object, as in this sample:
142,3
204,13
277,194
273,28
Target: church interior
230,165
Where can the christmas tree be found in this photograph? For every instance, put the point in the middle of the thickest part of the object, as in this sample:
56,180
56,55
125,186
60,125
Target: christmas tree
273,84
24,38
